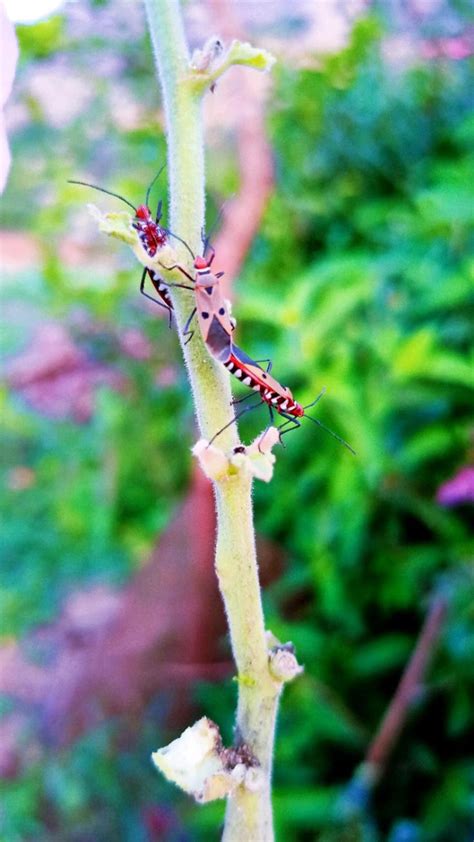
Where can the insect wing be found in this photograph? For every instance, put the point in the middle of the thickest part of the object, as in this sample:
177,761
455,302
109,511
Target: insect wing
211,307
262,378
209,299
218,343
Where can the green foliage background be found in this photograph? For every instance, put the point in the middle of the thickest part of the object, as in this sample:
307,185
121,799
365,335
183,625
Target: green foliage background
359,280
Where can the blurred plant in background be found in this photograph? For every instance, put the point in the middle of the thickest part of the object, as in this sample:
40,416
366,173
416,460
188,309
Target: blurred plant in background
359,280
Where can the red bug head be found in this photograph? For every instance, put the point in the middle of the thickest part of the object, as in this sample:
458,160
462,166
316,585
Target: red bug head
298,411
143,212
200,263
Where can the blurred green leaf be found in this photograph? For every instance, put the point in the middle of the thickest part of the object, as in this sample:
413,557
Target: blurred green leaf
42,39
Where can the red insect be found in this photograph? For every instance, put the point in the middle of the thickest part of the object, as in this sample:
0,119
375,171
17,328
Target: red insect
214,319
150,232
270,391
153,237
216,328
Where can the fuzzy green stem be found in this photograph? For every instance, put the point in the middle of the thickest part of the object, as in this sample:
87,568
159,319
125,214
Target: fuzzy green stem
249,815
186,179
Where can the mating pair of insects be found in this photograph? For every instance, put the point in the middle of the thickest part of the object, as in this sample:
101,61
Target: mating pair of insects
215,322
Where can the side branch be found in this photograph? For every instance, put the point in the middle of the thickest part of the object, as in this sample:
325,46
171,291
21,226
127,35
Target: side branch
408,689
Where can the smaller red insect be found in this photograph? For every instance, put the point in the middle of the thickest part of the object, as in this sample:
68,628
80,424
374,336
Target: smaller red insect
151,233
153,236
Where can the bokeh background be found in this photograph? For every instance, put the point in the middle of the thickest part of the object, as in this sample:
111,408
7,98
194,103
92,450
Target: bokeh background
348,252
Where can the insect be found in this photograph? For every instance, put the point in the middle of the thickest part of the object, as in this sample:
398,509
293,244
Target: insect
216,327
212,310
271,393
152,236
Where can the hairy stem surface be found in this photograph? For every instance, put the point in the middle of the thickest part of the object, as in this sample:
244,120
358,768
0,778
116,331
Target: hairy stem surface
249,814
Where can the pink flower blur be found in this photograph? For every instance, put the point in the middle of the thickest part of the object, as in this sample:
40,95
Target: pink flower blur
450,48
8,60
458,490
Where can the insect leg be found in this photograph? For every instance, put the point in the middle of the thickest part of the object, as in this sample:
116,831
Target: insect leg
297,423
180,286
234,419
234,401
150,297
266,360
186,332
183,272
272,418
289,419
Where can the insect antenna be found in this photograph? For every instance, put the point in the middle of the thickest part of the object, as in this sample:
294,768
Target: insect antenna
331,433
103,190
318,398
147,197
180,240
206,240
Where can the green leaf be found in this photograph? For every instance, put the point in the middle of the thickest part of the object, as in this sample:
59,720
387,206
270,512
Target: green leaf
378,656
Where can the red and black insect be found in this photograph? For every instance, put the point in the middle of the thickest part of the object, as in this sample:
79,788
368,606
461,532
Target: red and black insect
212,310
153,237
216,327
271,393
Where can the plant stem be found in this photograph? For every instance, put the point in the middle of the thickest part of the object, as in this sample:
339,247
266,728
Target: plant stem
249,815
186,178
